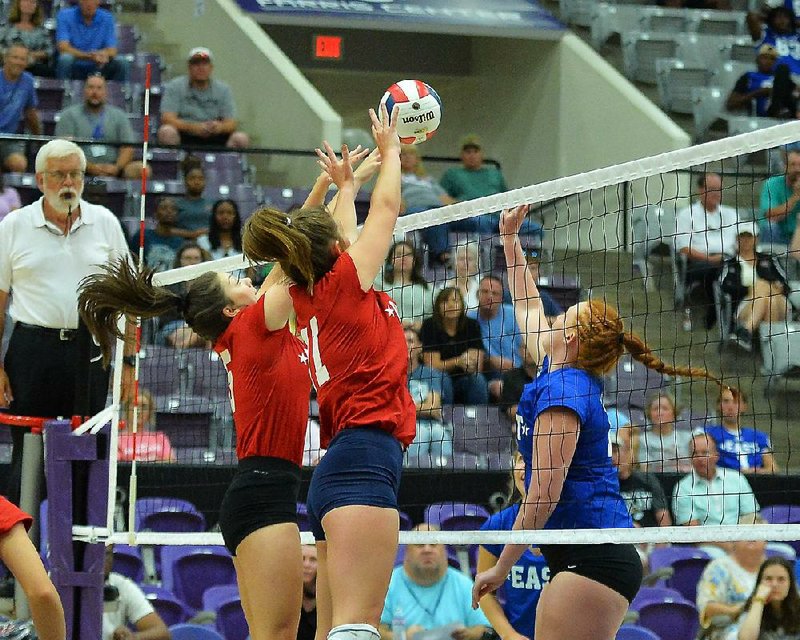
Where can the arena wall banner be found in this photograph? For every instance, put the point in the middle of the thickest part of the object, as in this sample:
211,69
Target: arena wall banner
513,18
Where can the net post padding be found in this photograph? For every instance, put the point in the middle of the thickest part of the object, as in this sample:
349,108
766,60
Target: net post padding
77,470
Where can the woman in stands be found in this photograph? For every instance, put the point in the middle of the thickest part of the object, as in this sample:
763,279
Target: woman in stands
358,362
662,447
772,612
402,279
224,230
269,387
570,481
26,24
516,617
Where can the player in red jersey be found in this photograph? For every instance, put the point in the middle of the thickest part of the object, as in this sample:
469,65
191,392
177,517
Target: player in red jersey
269,388
358,362
20,556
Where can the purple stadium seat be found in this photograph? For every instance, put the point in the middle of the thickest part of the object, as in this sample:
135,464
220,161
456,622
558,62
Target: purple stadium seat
188,571
181,516
50,93
635,632
193,632
158,370
456,516
687,575
231,622
781,514
630,383
43,544
171,610
302,517
655,594
25,184
165,163
48,119
666,556
406,524
480,430
126,38
679,620
138,72
283,198
128,562
213,597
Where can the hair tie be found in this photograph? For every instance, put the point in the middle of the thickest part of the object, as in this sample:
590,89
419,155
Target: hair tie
288,221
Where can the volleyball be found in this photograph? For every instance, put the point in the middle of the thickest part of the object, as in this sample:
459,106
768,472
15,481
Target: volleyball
419,110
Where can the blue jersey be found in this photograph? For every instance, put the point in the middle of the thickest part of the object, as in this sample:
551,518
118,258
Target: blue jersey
743,451
788,47
527,577
752,81
590,498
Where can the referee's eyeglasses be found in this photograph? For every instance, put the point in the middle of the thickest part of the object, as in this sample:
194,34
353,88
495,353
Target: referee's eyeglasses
61,176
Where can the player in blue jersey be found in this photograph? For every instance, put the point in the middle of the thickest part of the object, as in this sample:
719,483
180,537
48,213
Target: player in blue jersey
516,617
570,481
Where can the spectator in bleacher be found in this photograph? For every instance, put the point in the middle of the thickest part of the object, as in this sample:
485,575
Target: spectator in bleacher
148,444
433,441
420,192
501,336
452,343
86,36
780,203
741,448
641,491
772,612
224,230
710,494
97,120
132,608
173,330
475,179
725,585
26,24
776,27
466,278
515,618
514,382
199,111
160,244
46,249
429,595
9,198
307,628
753,90
757,286
662,446
19,103
705,235
194,211
402,279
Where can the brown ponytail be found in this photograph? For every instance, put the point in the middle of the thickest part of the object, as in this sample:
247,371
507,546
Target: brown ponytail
121,290
602,340
301,242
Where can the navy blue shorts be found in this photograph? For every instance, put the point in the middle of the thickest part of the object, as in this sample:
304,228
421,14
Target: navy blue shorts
362,467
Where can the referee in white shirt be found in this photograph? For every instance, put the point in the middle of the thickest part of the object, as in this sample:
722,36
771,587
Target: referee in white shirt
46,249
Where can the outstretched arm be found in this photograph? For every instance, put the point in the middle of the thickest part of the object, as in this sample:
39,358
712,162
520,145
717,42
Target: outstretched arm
369,251
528,308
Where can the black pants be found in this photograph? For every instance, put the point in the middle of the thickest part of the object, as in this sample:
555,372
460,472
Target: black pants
50,378
706,274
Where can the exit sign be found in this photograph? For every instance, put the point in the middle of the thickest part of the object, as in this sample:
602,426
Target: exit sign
327,47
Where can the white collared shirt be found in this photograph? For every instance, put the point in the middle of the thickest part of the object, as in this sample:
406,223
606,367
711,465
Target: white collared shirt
42,267
707,232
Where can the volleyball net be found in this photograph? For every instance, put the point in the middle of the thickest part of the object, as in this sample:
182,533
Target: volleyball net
606,234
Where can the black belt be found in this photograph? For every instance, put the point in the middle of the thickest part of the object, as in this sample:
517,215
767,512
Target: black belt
63,334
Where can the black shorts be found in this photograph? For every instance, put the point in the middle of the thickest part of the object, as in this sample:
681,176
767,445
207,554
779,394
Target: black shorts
263,492
616,566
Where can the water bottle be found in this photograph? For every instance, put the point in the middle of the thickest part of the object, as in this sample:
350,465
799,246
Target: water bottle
398,625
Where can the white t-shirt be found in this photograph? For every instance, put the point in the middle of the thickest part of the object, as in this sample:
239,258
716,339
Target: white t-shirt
132,605
706,232
43,267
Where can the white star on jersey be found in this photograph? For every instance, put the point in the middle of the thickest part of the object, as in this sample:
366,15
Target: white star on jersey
304,357
391,309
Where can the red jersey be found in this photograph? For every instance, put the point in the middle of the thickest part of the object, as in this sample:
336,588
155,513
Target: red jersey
11,514
357,355
269,386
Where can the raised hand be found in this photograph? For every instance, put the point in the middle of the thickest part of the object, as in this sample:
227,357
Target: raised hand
368,168
384,130
339,170
511,220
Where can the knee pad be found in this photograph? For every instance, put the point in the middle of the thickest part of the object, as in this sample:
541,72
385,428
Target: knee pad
354,632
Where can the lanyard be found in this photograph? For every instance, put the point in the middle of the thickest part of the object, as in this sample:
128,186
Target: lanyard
410,589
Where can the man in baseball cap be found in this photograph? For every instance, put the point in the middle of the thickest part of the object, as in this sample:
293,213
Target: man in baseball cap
198,110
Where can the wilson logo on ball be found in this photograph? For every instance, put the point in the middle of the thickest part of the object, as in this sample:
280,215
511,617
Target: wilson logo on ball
419,110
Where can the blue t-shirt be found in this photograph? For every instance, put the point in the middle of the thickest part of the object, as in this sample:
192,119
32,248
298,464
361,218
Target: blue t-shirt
743,451
788,47
448,601
15,99
525,581
99,34
753,80
590,498
501,337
